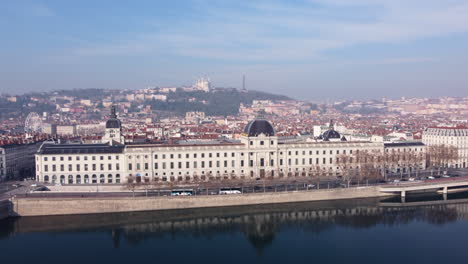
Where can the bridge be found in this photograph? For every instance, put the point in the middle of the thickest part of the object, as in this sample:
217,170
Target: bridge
443,185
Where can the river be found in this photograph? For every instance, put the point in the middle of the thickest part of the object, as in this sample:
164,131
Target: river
422,230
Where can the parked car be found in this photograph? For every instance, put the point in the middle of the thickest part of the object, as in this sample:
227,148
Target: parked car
445,176
310,186
411,179
431,177
396,181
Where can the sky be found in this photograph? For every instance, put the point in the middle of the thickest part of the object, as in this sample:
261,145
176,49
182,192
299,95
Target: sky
306,49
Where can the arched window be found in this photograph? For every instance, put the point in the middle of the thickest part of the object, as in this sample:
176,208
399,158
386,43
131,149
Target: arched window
109,178
78,179
86,179
62,179
46,178
54,179
117,178
70,179
94,178
102,178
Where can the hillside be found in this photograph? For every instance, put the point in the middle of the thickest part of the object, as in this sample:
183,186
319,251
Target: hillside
217,102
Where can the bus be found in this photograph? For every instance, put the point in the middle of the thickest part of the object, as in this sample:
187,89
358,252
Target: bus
230,191
182,192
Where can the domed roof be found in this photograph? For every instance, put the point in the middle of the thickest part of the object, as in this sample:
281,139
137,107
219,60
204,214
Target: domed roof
259,126
113,122
331,134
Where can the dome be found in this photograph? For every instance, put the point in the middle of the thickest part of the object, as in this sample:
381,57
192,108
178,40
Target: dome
331,134
113,123
259,126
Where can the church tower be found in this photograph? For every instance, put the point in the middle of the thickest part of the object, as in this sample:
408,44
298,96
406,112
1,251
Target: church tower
113,133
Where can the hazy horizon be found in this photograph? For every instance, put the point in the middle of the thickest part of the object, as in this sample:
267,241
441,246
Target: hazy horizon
308,50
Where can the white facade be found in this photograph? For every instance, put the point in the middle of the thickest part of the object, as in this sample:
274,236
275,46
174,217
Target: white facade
449,136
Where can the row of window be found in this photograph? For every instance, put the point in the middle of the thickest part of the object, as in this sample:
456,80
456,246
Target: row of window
78,180
94,167
70,158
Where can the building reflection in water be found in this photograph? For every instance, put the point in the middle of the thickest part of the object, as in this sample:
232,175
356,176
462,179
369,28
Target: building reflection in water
258,224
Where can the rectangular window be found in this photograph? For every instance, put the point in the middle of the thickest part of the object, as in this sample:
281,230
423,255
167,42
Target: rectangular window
77,167
109,166
146,166
164,165
155,165
62,167
86,167
281,162
179,165
272,163
54,167
117,166
46,168
262,162
187,165
242,163
172,165
70,167
251,163
130,166
194,164
203,164
210,164
225,163
102,167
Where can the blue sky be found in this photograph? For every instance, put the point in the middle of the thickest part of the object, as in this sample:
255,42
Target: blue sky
308,49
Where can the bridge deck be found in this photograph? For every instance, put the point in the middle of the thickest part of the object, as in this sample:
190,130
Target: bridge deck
426,185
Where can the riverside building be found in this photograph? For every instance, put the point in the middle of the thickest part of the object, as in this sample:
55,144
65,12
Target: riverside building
449,136
258,154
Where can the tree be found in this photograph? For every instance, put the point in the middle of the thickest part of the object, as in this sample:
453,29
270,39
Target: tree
344,163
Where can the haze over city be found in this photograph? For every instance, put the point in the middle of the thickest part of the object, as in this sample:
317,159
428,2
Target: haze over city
304,49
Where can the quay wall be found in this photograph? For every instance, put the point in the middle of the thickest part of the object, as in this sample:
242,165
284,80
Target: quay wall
4,209
72,206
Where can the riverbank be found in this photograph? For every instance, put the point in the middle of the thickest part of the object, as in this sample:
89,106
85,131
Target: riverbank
35,206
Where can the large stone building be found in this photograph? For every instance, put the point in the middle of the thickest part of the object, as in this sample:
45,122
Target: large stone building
258,154
17,161
449,136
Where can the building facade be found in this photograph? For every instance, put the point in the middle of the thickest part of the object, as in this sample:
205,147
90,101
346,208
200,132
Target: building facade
17,161
258,154
449,136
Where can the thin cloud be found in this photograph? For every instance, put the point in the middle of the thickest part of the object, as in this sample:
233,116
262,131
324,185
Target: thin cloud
262,31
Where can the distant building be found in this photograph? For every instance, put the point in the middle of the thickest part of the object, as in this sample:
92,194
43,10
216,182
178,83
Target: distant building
202,84
17,161
66,130
449,136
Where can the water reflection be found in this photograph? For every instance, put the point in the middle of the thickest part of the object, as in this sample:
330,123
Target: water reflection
259,224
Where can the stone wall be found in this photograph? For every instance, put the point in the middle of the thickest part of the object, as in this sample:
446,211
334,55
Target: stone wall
69,206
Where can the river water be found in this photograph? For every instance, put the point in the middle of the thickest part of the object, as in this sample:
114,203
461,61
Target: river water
422,230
